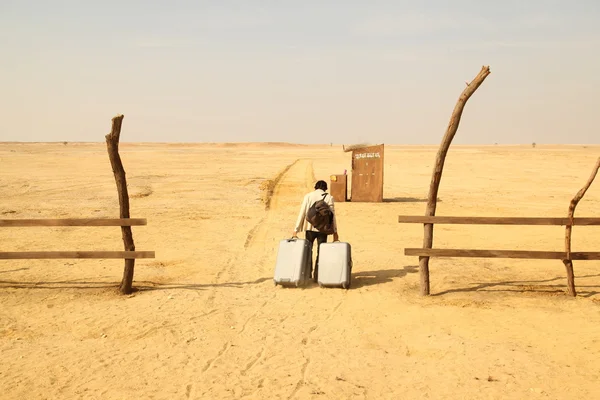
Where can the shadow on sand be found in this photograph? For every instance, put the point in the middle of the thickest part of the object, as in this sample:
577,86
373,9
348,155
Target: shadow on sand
530,286
359,279
138,286
407,200
368,278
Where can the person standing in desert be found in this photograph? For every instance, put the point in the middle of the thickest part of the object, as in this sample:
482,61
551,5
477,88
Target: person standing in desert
311,232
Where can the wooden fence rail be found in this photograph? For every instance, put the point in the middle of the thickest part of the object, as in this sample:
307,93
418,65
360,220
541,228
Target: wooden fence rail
73,222
530,254
46,255
423,219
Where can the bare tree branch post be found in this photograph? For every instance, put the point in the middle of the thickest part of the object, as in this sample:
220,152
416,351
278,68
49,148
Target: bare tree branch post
437,172
568,262
112,143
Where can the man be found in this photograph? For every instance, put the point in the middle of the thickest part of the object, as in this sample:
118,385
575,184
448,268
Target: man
311,233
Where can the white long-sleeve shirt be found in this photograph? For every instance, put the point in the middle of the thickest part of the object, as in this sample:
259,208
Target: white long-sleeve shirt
309,199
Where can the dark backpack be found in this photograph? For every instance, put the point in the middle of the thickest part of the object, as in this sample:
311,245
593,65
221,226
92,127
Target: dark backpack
320,216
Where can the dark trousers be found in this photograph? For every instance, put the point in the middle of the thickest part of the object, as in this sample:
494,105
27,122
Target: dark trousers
321,238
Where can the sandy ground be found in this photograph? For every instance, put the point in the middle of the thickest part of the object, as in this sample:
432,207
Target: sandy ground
207,321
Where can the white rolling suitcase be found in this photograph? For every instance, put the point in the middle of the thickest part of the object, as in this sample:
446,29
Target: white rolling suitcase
294,262
335,265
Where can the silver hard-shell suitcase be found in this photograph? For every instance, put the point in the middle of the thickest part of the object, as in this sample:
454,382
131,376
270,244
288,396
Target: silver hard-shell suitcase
294,262
335,264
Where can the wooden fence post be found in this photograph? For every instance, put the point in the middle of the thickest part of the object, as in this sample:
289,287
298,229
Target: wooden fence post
112,143
437,172
568,262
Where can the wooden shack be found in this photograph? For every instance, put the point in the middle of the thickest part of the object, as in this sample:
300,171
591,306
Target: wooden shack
338,187
367,172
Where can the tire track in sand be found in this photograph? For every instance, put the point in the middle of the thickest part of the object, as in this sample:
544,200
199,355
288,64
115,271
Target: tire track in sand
286,196
290,185
285,189
261,244
228,272
271,193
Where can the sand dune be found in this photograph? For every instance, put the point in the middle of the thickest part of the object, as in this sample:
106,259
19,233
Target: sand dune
207,321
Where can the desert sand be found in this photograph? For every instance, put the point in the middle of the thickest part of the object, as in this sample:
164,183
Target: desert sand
207,322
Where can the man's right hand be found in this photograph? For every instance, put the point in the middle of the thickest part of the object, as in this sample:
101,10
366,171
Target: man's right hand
294,234
336,238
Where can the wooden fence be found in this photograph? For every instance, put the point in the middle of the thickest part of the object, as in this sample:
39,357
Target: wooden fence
527,254
429,218
72,222
125,222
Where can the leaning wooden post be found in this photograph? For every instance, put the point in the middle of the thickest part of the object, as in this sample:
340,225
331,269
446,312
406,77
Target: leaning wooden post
567,261
112,142
437,172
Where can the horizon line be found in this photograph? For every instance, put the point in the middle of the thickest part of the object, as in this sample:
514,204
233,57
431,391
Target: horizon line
65,142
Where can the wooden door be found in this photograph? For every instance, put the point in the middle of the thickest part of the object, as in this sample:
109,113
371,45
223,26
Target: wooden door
367,174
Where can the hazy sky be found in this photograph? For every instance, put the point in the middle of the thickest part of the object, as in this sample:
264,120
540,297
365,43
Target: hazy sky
304,71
